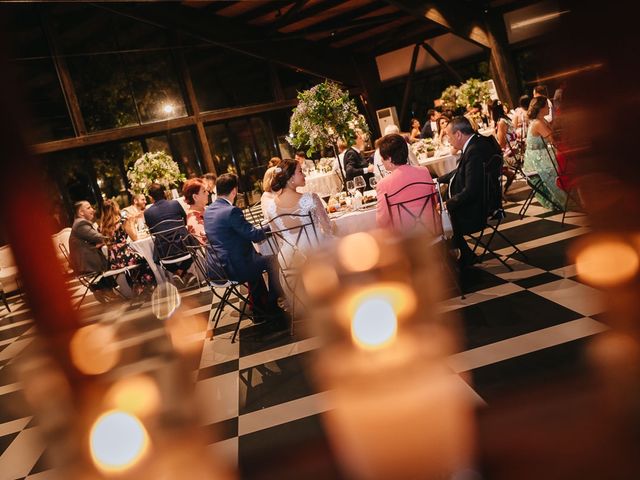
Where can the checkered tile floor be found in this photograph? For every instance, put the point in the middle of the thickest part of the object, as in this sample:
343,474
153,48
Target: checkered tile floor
520,327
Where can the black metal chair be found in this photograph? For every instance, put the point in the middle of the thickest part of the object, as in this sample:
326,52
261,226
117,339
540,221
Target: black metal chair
495,212
571,191
91,279
208,263
169,246
291,239
254,214
415,211
4,299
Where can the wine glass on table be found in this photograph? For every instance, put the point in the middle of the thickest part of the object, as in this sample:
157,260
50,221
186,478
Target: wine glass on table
359,183
373,181
351,188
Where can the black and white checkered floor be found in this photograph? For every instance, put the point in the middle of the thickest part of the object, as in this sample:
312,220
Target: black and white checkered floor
520,326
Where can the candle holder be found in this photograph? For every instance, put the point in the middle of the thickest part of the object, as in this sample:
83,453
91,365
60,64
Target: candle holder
397,410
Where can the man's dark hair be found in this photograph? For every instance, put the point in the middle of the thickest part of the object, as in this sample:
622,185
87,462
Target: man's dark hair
77,206
541,90
156,191
525,100
461,124
394,147
300,153
431,112
226,183
210,176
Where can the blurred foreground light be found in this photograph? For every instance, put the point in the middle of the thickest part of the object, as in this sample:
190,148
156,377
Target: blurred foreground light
374,324
607,262
165,300
359,252
118,441
137,395
319,279
93,349
187,333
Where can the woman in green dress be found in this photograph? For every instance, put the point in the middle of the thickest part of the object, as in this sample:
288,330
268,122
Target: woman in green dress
540,154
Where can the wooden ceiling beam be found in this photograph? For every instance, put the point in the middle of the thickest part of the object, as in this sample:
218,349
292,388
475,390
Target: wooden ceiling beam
239,37
351,25
289,15
465,22
304,14
343,18
261,10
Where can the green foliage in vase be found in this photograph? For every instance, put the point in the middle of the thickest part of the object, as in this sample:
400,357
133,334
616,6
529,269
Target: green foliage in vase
470,92
154,167
324,113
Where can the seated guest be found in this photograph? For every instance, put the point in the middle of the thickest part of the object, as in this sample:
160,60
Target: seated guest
443,121
230,235
274,161
301,157
133,216
354,164
507,138
394,152
378,166
196,195
164,215
430,127
338,164
210,180
540,155
118,252
84,250
415,130
465,203
267,193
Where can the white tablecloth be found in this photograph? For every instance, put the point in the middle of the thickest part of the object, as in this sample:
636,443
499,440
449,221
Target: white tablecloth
324,184
144,247
353,222
440,165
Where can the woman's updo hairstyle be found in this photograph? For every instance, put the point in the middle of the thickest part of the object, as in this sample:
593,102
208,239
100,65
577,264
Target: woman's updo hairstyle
283,172
537,104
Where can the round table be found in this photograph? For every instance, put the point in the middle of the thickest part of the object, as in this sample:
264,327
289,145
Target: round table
324,184
440,165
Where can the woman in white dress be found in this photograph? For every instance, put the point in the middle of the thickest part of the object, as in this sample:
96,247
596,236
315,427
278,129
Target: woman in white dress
289,216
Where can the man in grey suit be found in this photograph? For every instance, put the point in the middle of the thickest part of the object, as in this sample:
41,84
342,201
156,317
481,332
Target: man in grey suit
84,249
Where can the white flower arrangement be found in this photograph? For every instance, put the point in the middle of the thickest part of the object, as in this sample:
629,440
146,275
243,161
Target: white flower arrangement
154,167
324,114
325,164
422,148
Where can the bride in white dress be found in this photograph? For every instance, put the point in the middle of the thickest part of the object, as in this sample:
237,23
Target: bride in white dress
300,221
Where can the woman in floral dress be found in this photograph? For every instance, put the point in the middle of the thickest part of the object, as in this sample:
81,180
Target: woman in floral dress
540,156
119,253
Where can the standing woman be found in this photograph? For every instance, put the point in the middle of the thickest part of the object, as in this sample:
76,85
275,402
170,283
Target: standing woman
119,254
541,153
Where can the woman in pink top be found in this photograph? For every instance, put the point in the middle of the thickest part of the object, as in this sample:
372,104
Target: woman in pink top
196,195
394,153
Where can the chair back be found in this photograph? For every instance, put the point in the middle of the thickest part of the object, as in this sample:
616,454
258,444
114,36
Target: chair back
62,238
417,211
492,189
211,265
295,233
169,238
254,214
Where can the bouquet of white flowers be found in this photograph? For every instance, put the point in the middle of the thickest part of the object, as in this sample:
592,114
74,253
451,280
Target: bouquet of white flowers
154,167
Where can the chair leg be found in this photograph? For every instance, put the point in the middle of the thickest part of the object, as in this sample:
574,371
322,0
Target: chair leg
566,206
235,333
4,300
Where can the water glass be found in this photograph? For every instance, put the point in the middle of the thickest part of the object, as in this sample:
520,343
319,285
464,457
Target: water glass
373,181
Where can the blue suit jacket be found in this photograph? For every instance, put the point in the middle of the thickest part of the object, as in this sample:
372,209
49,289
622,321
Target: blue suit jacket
231,236
164,210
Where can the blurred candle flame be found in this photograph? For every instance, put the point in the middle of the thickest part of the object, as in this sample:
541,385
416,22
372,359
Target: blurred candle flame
374,324
607,262
118,441
137,395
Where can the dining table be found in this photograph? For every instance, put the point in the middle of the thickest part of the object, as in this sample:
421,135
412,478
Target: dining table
322,183
440,164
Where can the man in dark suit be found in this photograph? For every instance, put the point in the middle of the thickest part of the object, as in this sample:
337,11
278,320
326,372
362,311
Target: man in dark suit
173,215
466,203
430,128
231,237
354,164
84,250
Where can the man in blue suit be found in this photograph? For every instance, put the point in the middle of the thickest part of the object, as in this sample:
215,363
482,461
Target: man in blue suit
231,236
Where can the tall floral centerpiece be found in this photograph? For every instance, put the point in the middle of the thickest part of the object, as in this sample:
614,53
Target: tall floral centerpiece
470,92
154,167
324,114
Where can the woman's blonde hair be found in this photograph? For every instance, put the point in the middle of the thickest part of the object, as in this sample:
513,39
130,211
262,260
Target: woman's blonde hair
268,179
110,218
